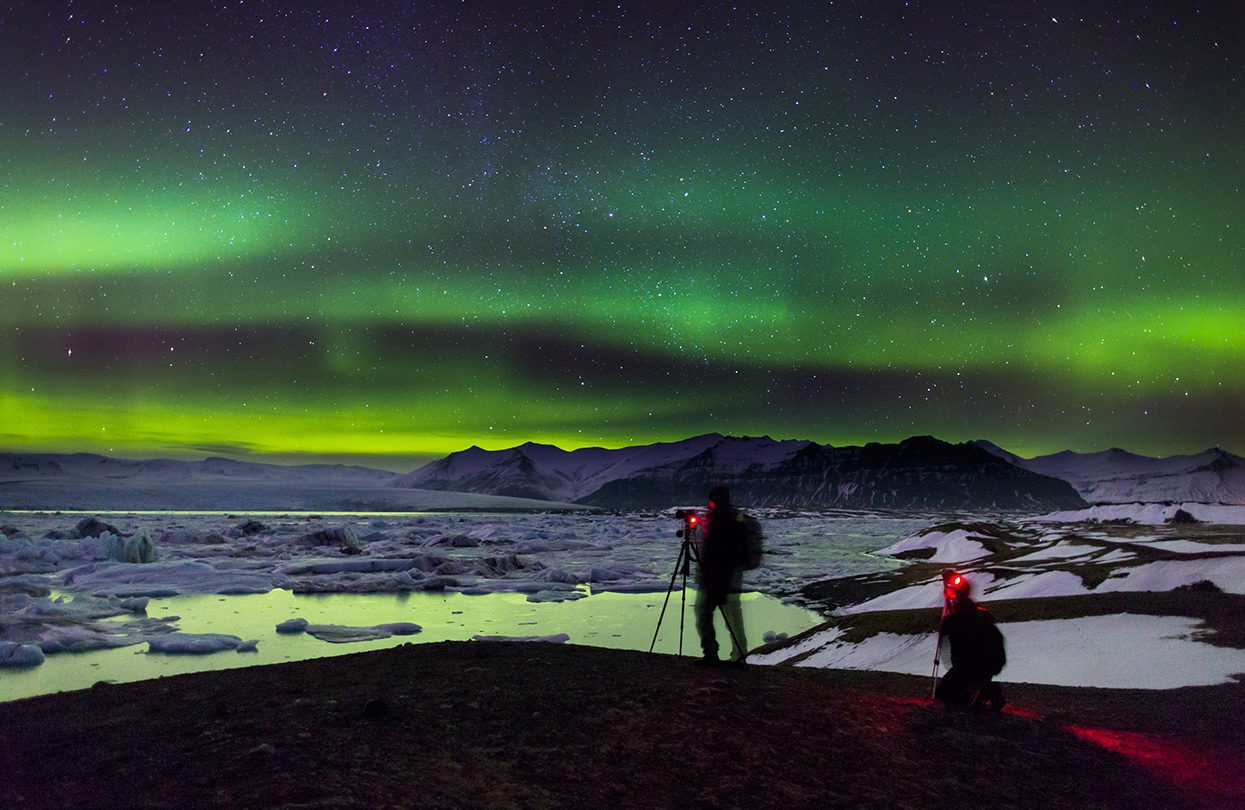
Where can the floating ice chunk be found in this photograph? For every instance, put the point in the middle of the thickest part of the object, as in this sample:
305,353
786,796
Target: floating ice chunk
344,634
13,654
292,626
557,575
357,582
637,586
135,604
547,546
452,541
197,643
335,566
344,536
557,638
137,549
556,596
164,579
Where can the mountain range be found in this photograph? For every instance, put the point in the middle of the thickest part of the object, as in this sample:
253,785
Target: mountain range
1118,476
918,473
54,466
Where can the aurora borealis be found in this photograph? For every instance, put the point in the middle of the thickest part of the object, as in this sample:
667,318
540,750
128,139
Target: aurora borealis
383,231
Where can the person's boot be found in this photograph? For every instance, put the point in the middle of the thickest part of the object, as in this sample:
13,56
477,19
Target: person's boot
708,660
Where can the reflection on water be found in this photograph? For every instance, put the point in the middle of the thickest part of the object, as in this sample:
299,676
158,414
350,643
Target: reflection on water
624,621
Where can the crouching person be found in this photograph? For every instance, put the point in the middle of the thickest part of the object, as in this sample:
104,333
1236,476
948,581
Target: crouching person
977,650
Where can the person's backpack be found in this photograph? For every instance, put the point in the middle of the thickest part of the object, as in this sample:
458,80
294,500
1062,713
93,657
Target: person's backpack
989,643
754,541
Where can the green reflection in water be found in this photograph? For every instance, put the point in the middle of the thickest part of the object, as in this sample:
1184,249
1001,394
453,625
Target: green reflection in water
617,620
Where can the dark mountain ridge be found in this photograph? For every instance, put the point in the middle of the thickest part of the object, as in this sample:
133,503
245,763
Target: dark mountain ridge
918,473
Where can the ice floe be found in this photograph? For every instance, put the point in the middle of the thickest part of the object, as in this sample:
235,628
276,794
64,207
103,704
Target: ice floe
13,654
199,644
344,634
164,579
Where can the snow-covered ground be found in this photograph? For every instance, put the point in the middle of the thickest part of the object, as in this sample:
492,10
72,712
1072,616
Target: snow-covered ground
1153,514
1050,557
1099,651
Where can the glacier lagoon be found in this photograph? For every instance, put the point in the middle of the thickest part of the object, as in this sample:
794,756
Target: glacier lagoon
600,579
617,620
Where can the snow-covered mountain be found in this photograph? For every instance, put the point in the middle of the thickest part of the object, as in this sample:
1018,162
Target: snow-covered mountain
545,471
921,472
1117,476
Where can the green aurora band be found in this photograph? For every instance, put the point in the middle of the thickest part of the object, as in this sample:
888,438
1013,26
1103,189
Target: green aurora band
317,285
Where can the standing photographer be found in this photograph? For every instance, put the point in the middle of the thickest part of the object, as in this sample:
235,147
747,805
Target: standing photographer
723,556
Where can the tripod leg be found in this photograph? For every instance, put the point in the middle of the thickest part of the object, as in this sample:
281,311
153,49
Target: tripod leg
933,689
682,611
677,567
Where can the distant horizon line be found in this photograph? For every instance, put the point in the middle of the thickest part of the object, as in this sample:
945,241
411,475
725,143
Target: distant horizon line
399,463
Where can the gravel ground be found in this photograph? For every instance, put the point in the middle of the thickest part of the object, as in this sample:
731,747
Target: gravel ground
539,725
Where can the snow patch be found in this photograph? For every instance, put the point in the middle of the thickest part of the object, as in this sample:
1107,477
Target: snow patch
1099,651
956,546
1228,573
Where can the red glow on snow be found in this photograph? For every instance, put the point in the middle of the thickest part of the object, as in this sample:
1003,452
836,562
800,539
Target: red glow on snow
1214,772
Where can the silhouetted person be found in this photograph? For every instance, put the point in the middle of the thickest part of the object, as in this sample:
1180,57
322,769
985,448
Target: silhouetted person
977,652
723,555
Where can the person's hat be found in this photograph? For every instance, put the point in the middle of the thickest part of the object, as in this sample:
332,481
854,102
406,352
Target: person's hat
955,584
720,495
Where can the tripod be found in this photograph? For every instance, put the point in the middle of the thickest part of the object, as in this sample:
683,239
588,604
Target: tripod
682,565
933,690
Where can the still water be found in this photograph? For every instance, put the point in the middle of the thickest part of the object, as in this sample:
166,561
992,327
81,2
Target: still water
618,620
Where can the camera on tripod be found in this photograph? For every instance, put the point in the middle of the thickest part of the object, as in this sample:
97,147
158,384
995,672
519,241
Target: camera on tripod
691,520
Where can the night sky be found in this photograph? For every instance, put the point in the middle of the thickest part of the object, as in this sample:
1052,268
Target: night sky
379,232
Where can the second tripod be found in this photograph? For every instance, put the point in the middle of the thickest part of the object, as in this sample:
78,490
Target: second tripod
682,566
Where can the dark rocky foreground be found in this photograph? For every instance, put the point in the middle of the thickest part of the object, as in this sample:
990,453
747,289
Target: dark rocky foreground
537,725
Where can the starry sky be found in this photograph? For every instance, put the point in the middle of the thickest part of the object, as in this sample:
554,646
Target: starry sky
380,232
